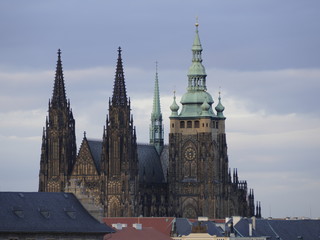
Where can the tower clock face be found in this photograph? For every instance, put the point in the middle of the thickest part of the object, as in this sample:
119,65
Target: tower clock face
190,153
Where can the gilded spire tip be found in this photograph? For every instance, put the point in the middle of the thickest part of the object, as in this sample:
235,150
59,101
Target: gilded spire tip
197,22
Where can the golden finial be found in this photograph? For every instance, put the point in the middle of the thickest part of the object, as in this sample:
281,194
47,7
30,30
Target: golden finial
197,23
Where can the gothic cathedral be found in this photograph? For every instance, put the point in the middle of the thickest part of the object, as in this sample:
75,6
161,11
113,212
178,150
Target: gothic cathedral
189,177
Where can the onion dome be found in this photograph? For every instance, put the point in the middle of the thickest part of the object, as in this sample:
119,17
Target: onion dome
220,108
174,106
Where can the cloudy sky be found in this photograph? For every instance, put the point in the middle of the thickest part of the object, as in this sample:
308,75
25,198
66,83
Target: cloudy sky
265,56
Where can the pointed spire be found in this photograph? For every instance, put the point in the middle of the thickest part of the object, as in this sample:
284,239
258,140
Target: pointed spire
197,73
156,110
59,93
196,43
156,130
119,97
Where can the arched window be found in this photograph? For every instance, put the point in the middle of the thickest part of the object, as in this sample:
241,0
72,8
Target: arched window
196,124
182,124
189,124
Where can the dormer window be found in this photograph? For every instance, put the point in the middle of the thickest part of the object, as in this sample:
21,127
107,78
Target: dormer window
18,211
44,212
70,212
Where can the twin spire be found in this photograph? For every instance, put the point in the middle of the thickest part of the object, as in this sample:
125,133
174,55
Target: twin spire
119,97
59,94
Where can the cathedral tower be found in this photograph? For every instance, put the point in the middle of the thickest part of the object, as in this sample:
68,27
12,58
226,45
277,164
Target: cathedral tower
198,162
119,155
156,127
58,151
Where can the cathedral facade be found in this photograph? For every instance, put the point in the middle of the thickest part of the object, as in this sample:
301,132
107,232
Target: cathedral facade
189,177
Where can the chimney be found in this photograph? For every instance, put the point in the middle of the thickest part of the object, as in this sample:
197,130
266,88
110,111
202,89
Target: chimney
203,219
254,223
117,226
137,226
250,229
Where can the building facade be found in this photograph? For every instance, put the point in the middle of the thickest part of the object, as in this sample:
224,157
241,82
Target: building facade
188,177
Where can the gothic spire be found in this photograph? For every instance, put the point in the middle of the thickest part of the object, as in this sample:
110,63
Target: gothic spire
156,128
119,97
156,110
59,93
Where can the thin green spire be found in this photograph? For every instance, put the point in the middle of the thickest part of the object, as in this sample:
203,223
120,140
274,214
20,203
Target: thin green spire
156,110
156,128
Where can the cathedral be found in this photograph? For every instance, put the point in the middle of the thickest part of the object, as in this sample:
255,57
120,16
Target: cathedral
189,177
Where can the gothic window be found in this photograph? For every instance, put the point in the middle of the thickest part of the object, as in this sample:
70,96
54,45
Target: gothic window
55,150
196,124
187,169
114,208
189,212
189,124
181,124
193,169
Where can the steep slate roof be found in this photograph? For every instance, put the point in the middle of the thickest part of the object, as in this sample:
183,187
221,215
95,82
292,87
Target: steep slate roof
149,163
184,227
134,234
41,212
285,229
96,150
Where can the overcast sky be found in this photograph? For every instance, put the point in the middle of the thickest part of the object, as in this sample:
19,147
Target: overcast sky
265,56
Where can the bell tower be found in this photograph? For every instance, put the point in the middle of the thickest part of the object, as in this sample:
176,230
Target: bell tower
198,163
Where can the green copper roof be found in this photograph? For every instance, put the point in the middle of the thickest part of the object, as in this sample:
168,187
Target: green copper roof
197,73
220,108
174,107
196,96
156,110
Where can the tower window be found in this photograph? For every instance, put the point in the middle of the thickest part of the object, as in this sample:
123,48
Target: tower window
207,125
189,124
217,125
196,124
172,125
182,124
